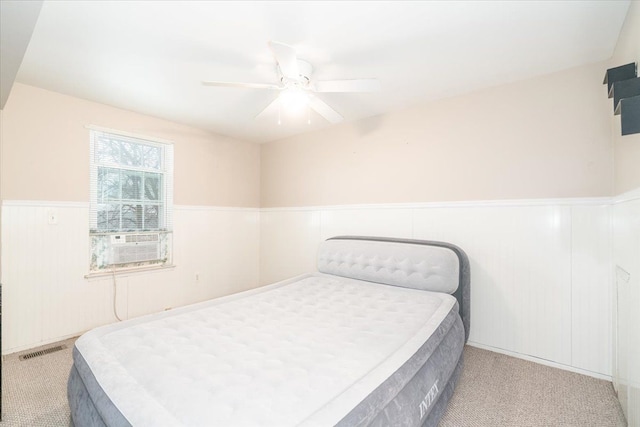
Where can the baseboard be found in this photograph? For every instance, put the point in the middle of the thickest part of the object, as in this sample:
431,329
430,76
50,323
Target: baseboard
541,361
9,351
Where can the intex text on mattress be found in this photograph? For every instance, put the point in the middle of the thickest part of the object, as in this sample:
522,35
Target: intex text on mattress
319,349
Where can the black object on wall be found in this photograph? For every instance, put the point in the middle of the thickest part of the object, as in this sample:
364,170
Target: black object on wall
629,109
617,74
623,84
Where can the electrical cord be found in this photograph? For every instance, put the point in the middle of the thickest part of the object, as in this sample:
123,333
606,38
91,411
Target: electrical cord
115,293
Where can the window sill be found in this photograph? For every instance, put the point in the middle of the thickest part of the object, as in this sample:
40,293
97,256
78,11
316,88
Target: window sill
126,271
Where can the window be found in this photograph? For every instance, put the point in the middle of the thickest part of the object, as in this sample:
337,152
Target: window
131,201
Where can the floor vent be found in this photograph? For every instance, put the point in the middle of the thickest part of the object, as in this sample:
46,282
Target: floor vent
42,352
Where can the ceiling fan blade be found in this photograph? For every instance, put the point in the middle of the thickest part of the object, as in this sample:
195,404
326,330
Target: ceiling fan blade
271,107
286,58
241,85
355,85
324,110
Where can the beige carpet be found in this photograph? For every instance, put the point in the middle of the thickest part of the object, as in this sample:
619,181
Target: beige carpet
34,391
494,391
498,390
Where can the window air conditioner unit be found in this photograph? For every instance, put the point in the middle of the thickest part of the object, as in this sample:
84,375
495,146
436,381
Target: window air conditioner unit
132,248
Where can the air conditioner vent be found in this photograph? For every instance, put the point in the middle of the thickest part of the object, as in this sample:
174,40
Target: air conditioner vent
134,238
132,248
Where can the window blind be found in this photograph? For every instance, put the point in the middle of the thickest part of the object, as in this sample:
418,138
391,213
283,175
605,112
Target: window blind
131,184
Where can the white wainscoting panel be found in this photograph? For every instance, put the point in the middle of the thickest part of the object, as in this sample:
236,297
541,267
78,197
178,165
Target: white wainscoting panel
626,345
539,270
46,296
382,222
524,273
216,252
288,243
520,273
590,290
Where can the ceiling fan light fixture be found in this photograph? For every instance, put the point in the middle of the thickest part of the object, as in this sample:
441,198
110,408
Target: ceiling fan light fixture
294,100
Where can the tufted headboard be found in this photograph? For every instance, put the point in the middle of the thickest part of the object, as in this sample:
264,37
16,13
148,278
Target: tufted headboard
419,264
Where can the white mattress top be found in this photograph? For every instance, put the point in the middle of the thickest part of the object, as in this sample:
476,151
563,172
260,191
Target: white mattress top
302,351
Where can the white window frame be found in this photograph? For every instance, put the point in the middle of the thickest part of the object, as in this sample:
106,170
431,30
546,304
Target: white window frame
102,247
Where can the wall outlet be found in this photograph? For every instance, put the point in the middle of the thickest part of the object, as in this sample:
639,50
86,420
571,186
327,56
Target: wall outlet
52,216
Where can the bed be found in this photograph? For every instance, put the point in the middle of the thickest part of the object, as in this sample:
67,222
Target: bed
374,337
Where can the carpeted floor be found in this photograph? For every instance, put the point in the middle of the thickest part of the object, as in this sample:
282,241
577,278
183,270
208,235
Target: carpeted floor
494,391
34,391
498,390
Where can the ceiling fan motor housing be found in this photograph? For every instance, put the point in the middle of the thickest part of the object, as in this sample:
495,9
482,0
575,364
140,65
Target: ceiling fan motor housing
304,75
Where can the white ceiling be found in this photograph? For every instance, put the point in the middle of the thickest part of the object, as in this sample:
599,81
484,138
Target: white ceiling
151,56
17,20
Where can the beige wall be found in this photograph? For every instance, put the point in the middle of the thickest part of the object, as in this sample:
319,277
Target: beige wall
541,138
46,152
627,148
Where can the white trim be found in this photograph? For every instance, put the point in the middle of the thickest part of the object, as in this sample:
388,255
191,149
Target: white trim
591,201
541,361
44,204
85,205
129,134
627,196
214,208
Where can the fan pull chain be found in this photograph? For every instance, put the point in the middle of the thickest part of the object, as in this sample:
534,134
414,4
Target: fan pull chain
279,113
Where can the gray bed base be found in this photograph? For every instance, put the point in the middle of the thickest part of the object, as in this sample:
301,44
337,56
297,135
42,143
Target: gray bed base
415,395
90,406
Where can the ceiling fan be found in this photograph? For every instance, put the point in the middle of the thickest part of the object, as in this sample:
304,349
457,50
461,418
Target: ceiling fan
296,86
